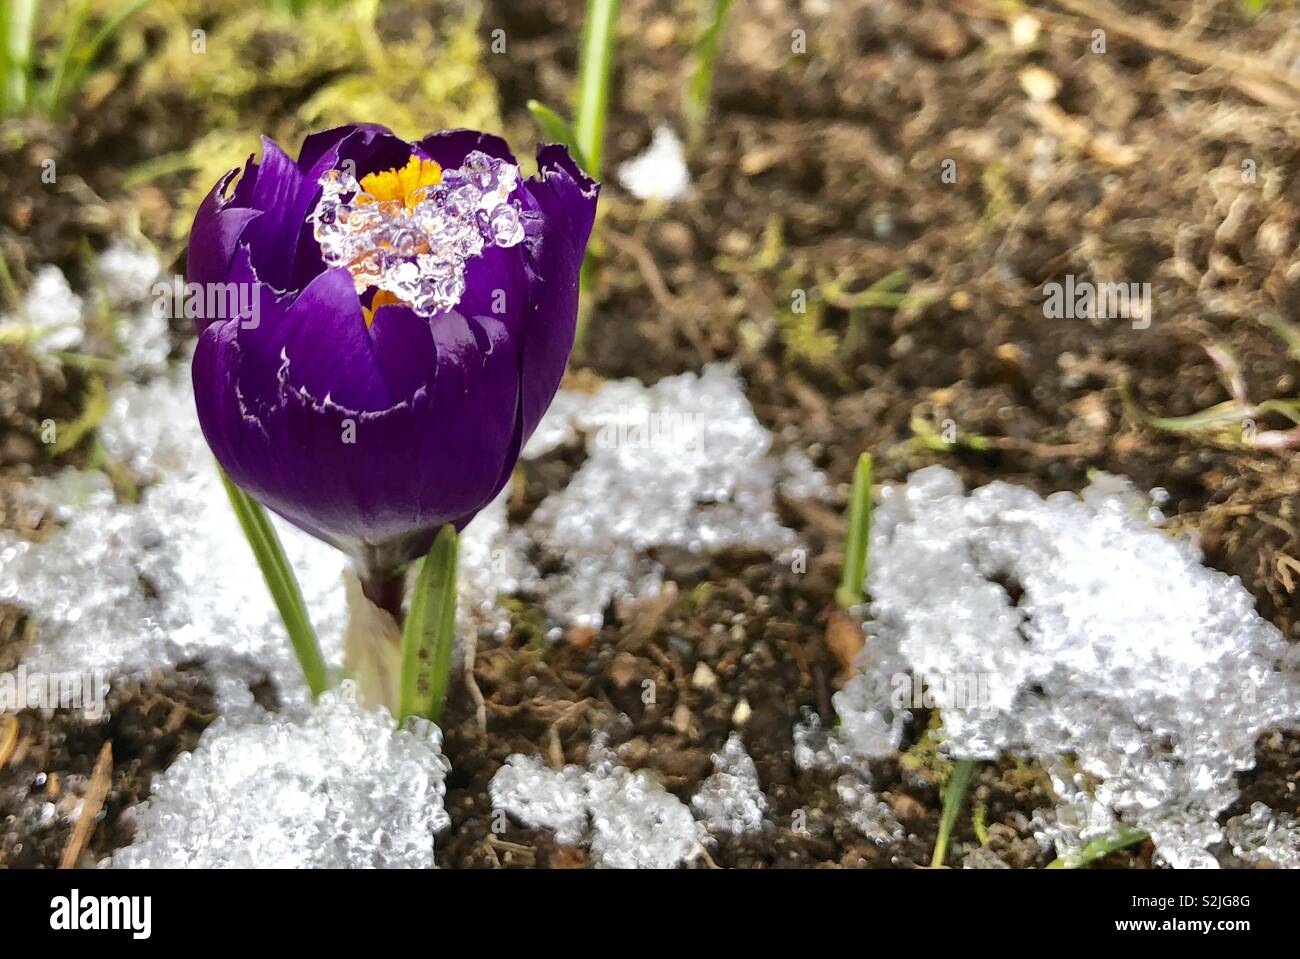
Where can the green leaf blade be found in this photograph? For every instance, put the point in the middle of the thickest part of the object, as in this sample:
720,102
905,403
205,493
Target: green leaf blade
594,69
700,89
1123,837
281,582
556,129
954,798
429,634
858,539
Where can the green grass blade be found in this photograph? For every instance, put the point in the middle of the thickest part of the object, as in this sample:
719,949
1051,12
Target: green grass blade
594,68
858,540
1229,411
87,53
1289,333
281,582
71,34
556,129
954,798
1121,838
700,89
429,634
18,26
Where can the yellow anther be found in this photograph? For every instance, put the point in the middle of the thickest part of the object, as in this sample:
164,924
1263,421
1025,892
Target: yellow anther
401,184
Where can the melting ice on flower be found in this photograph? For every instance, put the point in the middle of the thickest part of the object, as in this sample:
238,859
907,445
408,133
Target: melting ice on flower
415,245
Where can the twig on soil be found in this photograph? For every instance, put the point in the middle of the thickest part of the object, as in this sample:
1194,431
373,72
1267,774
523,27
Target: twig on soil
8,739
654,282
554,748
471,683
91,805
1082,135
1252,76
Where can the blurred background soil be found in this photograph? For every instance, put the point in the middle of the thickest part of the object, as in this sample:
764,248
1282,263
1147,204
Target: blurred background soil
1171,158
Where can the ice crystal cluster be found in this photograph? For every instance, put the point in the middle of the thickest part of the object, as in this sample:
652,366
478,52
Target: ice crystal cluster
417,249
682,463
731,800
627,819
51,314
1068,626
333,786
129,275
53,317
1263,836
866,812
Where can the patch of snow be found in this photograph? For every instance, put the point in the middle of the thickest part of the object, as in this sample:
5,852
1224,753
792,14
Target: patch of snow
660,172
865,811
1087,633
1264,836
627,819
682,463
129,273
53,314
731,800
127,588
334,786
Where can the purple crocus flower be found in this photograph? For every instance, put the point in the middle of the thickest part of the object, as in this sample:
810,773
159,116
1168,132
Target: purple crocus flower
412,308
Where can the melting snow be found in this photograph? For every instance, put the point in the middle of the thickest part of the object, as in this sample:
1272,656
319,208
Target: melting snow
1265,836
333,786
681,463
52,313
660,172
128,588
628,819
867,813
1085,632
731,799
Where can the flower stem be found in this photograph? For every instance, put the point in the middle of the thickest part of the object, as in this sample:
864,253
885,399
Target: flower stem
384,588
281,582
429,634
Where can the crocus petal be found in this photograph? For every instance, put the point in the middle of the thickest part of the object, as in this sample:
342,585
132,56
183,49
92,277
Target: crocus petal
282,193
448,148
566,198
373,436
216,231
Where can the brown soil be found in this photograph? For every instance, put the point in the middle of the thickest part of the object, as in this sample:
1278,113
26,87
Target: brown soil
42,786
